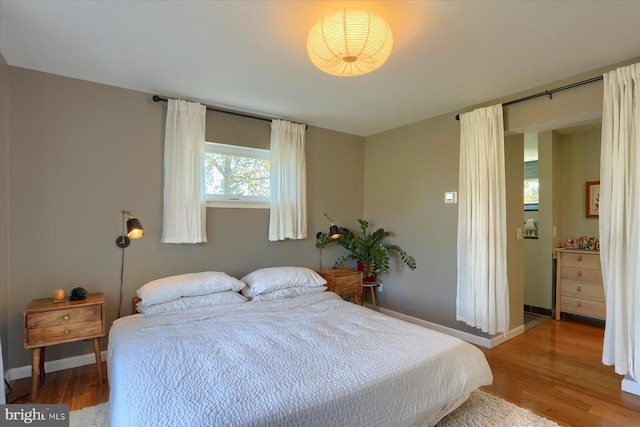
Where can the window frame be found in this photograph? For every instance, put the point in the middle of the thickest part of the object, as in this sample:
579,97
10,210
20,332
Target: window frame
531,174
246,202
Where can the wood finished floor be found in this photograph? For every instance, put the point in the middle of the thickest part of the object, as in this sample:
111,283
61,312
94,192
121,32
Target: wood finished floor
553,369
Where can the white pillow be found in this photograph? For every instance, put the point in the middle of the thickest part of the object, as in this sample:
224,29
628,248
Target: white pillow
289,293
274,278
216,298
187,285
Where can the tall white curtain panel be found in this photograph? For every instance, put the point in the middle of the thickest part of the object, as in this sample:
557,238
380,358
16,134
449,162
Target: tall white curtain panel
288,217
184,218
620,219
483,292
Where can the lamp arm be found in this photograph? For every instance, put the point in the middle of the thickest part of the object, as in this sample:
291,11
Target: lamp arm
329,218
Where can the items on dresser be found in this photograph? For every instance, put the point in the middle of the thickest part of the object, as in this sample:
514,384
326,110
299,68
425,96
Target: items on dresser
344,282
579,287
47,322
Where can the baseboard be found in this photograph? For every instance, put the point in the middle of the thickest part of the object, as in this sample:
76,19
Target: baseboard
630,386
538,310
54,365
465,336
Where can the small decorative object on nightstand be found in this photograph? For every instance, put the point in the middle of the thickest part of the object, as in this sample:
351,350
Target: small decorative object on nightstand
48,323
344,282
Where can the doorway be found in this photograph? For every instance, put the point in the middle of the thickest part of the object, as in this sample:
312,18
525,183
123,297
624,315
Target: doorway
562,160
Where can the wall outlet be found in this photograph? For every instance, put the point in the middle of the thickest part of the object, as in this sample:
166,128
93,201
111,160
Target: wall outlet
555,231
380,288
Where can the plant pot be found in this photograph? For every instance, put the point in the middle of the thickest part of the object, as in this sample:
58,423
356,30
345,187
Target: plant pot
370,278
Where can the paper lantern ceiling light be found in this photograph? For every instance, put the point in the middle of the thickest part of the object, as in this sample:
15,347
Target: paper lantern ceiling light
349,42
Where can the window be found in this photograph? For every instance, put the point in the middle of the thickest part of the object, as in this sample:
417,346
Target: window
236,176
531,186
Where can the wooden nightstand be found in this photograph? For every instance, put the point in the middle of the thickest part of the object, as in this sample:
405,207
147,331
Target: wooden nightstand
48,323
344,282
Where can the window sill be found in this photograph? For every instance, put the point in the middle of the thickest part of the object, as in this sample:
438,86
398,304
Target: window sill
240,204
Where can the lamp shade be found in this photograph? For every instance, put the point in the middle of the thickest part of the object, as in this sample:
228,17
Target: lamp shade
134,228
349,42
334,232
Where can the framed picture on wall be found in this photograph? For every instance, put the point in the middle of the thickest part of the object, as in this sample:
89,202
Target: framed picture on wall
592,196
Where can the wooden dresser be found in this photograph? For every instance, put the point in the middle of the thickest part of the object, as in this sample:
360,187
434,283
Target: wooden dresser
344,282
47,323
579,288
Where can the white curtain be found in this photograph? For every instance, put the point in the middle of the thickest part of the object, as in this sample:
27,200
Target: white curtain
288,219
620,219
184,219
483,292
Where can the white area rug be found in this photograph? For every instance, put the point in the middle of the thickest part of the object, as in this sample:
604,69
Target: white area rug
481,409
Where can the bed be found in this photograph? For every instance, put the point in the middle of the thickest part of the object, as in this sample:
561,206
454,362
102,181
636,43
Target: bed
311,359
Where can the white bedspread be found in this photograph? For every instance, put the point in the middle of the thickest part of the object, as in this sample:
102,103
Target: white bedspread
313,360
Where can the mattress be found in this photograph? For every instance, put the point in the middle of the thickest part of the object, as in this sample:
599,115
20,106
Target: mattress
313,360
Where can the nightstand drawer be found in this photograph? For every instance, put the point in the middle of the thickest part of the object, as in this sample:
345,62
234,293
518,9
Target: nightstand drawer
344,282
63,317
348,288
64,333
348,280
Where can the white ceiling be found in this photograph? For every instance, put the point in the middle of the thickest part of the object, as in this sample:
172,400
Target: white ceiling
251,55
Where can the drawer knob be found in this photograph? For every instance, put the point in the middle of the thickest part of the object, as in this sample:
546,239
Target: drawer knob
579,303
579,288
66,317
579,273
579,258
67,332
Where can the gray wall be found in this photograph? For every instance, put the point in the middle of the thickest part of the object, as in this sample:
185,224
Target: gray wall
581,164
81,152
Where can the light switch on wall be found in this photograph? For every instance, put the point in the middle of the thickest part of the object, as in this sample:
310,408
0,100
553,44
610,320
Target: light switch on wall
518,233
451,197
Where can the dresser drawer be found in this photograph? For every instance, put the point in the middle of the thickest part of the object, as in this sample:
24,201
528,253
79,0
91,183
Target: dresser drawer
580,260
582,291
64,333
583,275
63,317
583,307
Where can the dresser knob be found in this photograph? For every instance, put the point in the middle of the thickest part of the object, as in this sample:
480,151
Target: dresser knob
579,288
579,273
579,303
66,317
67,332
579,257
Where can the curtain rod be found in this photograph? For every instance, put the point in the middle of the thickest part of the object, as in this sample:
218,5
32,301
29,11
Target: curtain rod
548,93
157,98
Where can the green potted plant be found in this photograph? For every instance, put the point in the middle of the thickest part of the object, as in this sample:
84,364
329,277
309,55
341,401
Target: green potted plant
367,249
